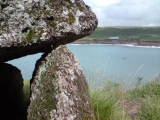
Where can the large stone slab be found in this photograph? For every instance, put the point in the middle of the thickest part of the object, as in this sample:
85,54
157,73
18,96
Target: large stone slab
59,89
32,26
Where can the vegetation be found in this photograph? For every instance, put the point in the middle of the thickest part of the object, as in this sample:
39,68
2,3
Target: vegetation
114,102
126,33
107,102
26,91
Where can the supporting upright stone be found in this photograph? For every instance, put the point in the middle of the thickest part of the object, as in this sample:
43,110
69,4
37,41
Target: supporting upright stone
59,89
11,93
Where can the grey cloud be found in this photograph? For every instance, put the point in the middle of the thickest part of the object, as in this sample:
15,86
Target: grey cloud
131,13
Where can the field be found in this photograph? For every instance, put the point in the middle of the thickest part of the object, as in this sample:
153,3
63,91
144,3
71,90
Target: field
151,34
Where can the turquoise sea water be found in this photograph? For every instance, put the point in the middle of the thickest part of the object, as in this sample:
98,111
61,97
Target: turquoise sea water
106,62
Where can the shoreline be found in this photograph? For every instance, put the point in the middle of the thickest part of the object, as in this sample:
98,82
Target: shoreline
155,44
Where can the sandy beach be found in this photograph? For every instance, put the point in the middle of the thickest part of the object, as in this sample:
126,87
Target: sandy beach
157,44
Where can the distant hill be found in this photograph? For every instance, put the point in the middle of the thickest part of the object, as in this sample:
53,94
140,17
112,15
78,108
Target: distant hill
125,34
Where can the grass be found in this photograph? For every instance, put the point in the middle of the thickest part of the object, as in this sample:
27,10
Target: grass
106,102
150,109
26,91
114,102
150,89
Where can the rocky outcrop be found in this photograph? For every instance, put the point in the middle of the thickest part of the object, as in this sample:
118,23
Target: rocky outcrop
11,91
32,26
59,89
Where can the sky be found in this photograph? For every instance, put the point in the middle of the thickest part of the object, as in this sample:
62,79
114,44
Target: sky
126,12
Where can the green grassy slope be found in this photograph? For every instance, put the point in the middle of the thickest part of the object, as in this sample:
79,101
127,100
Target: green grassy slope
126,33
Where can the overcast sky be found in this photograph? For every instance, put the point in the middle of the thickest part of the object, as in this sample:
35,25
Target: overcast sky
126,12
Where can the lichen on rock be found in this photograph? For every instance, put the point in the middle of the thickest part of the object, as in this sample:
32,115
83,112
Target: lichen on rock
28,23
59,89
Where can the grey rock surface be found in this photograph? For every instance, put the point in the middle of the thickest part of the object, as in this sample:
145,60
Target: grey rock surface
59,89
32,26
11,91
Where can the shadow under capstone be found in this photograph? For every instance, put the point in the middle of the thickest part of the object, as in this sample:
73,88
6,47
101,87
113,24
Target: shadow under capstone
11,93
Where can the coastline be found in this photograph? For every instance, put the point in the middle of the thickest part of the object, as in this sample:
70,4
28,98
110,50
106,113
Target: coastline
155,44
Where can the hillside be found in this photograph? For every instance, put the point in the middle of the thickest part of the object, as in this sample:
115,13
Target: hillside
151,34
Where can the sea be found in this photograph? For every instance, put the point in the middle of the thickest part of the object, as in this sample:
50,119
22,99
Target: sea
101,63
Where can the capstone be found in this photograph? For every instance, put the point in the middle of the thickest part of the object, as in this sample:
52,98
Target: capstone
32,26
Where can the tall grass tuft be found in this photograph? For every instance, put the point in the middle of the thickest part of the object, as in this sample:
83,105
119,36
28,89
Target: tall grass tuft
106,102
149,94
150,108
150,89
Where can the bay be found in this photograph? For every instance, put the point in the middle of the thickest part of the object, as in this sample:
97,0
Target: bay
102,63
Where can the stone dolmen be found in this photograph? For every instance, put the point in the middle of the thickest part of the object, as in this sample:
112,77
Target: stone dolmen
59,90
